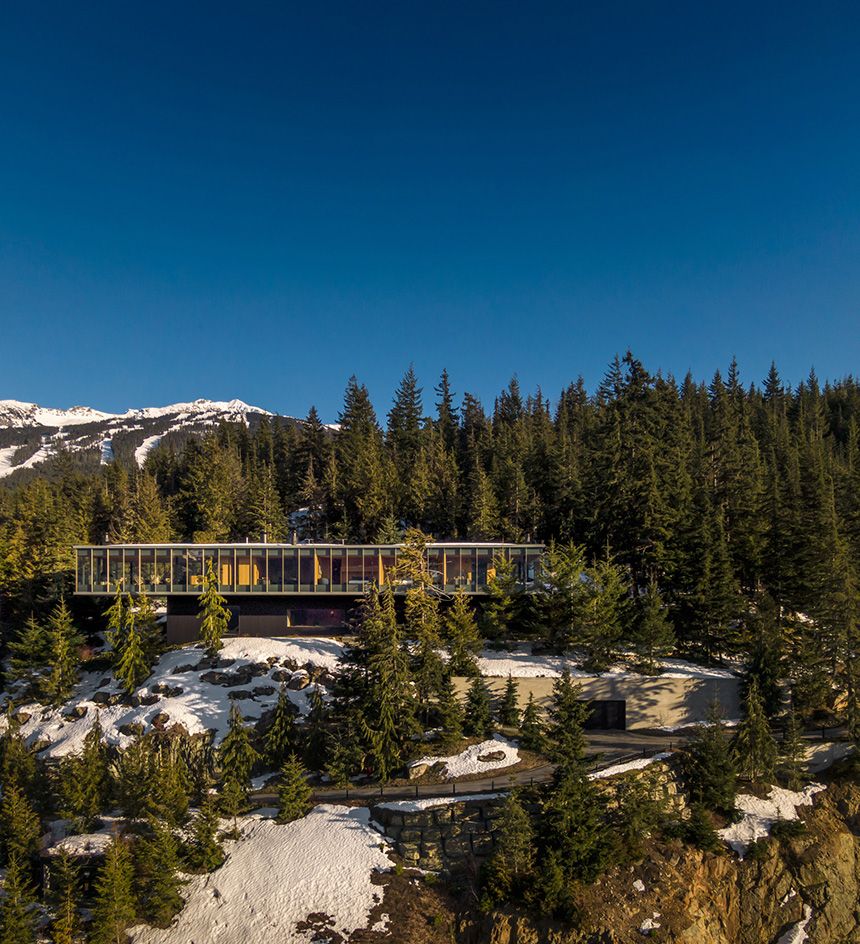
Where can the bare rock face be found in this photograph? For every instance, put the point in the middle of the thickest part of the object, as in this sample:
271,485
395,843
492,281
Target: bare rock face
713,898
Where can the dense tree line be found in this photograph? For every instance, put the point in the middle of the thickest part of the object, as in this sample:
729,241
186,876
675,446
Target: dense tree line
729,513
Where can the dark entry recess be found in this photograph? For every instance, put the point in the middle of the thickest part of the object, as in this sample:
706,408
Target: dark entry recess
606,715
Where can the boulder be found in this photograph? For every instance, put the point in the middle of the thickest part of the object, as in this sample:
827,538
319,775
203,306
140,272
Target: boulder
491,756
159,720
298,681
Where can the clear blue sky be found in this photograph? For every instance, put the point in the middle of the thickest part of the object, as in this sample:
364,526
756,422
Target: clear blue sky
259,200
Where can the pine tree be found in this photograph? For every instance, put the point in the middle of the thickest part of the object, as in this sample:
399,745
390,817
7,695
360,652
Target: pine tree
509,712
461,634
114,908
19,826
281,737
294,791
65,927
236,755
754,747
478,710
532,736
132,774
450,715
17,920
158,883
213,613
709,766
203,853
510,870
654,634
64,658
793,752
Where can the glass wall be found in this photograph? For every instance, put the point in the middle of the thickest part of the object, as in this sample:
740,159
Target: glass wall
289,568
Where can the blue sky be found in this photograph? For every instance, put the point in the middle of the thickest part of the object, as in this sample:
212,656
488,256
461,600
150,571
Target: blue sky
258,200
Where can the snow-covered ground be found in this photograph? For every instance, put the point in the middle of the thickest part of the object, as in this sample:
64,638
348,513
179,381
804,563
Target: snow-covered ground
190,698
276,876
145,448
639,764
759,814
521,662
429,803
468,761
821,756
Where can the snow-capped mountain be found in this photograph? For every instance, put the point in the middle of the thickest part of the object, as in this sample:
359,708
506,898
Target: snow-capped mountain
31,434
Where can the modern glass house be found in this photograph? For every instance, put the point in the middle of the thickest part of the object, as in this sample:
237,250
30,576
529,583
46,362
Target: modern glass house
274,589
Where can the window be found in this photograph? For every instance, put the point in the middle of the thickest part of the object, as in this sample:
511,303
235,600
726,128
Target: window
161,575
243,569
147,569
179,571
291,569
195,568
307,570
116,574
354,571
85,571
258,568
100,569
276,570
338,569
226,568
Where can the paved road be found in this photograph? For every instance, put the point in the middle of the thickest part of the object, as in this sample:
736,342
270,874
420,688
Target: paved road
604,748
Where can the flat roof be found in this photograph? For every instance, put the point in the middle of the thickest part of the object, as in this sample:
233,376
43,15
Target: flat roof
262,544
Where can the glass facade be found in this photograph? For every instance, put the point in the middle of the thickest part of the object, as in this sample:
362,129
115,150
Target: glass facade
285,569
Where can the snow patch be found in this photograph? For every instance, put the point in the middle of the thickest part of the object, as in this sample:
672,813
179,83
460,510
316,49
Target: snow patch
797,933
468,762
639,764
198,705
521,662
429,803
759,815
144,449
275,876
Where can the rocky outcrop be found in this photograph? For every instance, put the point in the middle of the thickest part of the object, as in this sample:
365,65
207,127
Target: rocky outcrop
708,898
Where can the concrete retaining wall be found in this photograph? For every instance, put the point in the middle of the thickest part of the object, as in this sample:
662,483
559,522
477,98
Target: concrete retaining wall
651,702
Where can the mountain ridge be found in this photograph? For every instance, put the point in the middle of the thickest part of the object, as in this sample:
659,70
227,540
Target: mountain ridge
31,434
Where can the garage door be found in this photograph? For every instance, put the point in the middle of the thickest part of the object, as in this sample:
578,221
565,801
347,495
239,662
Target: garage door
606,715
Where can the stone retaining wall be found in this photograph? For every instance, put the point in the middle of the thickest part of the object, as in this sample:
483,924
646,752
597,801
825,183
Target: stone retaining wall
448,836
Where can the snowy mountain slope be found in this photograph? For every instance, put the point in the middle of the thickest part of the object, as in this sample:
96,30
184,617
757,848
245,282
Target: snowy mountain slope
31,434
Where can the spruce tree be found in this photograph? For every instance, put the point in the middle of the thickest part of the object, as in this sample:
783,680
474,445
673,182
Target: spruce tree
461,635
709,765
29,652
236,755
157,860
115,618
294,791
17,920
281,736
64,658
203,852
509,871
564,736
754,747
114,908
232,801
85,779
500,600
532,737
65,926
133,666
316,733
213,613
509,712
450,715
574,824
478,710
793,752
19,826
654,635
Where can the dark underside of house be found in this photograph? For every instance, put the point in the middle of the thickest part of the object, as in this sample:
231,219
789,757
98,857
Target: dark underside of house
296,615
